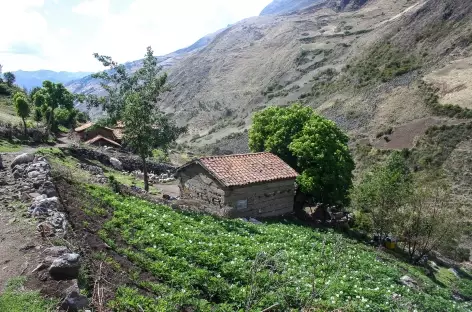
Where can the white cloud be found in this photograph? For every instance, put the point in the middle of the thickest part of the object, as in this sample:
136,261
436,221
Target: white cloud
167,26
68,38
25,30
93,8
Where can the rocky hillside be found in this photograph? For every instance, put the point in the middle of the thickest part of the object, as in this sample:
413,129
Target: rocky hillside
278,7
360,63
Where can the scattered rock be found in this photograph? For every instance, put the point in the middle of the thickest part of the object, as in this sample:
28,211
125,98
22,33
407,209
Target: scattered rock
116,164
43,205
22,159
33,174
65,267
46,229
16,174
453,271
408,281
48,189
34,195
252,220
433,266
92,169
74,301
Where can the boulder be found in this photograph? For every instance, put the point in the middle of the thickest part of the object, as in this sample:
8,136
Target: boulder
17,174
45,229
116,164
73,300
22,159
408,281
33,174
43,205
48,189
65,267
432,266
1,162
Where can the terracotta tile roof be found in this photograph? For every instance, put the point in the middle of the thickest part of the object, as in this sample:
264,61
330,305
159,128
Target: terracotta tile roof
83,127
244,169
99,137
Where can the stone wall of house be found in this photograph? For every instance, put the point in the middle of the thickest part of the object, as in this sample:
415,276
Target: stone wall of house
259,200
262,200
197,184
129,163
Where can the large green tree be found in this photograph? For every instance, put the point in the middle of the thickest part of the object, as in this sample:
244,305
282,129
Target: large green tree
312,145
50,97
9,78
131,97
22,108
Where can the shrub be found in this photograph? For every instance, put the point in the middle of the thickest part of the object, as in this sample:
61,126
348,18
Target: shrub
309,143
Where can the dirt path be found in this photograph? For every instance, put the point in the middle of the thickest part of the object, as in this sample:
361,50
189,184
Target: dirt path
19,244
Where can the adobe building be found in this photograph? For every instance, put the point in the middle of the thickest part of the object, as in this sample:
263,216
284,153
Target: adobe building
253,185
98,135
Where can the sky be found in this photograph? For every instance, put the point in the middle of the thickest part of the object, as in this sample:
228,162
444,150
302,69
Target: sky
62,35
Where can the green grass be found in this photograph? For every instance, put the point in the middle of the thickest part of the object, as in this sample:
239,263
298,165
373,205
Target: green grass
7,147
15,299
7,112
439,142
383,63
230,265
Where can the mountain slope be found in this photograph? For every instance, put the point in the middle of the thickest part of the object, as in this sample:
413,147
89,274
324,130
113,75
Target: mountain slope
31,79
277,7
88,85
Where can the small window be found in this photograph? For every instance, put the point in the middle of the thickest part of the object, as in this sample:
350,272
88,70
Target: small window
241,204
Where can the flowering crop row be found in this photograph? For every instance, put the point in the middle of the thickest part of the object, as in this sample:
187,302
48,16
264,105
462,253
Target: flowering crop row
231,265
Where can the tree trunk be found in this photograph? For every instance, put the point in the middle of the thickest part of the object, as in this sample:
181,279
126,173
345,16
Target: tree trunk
26,131
146,181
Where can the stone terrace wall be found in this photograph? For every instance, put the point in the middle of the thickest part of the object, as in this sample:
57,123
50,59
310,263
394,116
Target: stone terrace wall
129,163
9,132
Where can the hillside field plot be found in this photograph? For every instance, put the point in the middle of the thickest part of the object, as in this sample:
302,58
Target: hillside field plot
209,264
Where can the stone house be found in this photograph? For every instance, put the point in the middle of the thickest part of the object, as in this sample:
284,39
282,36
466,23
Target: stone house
251,185
102,141
97,135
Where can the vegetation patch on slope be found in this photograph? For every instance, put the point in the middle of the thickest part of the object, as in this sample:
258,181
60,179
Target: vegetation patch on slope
382,63
209,264
16,299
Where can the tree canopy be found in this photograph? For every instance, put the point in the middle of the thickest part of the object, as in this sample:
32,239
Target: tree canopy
312,145
131,97
9,78
52,99
391,201
22,108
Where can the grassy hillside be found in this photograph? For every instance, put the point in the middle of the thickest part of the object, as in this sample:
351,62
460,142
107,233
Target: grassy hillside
207,264
160,259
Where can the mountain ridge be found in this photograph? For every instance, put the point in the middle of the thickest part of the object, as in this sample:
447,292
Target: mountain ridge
31,79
